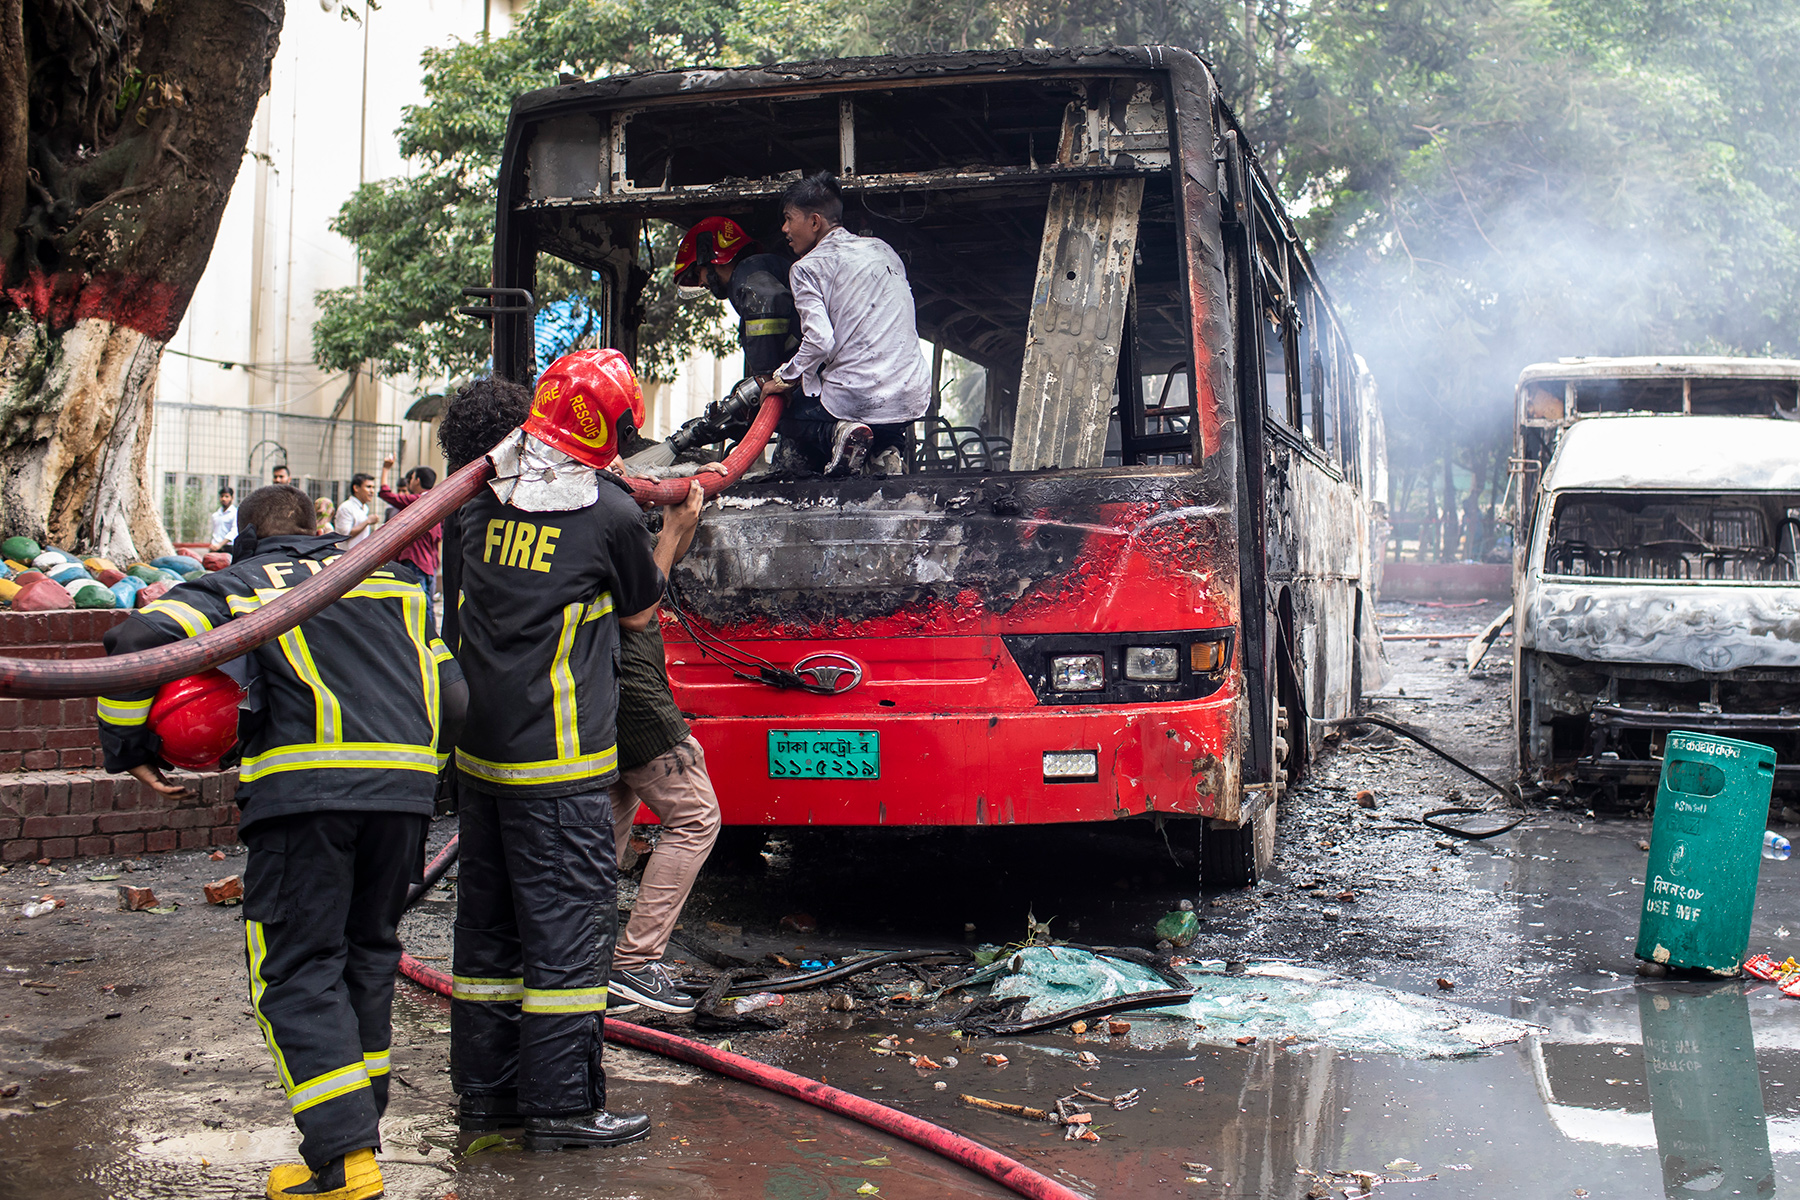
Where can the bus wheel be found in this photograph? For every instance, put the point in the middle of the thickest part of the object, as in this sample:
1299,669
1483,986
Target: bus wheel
1239,855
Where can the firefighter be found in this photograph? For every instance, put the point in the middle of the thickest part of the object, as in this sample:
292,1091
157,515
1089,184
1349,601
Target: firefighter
718,255
555,560
342,720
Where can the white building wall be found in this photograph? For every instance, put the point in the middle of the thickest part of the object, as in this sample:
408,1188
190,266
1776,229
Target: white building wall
328,122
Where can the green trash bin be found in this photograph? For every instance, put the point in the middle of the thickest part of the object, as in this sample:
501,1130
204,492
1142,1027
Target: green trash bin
1712,808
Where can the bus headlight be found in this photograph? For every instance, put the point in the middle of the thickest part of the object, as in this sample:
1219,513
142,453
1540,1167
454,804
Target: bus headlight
1071,765
1152,664
1077,673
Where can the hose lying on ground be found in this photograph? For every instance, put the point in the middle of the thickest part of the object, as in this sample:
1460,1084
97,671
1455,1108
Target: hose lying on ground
1430,819
1415,735
1008,1172
1099,1008
47,679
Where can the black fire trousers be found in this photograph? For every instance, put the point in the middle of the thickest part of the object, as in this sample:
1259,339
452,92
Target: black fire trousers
536,918
323,893
809,428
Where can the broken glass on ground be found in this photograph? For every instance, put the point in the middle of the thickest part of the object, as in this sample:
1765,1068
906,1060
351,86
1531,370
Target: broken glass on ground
1267,1001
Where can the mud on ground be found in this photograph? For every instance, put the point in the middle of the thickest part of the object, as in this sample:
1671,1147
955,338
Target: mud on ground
141,1073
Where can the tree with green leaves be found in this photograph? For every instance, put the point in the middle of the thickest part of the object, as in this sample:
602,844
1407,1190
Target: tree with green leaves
424,238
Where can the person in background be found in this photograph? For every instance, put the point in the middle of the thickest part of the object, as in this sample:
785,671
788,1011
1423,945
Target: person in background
224,521
718,255
859,339
280,474
324,515
335,835
354,517
661,766
422,552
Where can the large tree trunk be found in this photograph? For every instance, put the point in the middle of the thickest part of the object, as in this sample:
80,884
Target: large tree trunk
133,123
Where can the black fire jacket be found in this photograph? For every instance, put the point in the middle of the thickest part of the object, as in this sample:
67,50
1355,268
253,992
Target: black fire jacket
539,639
348,710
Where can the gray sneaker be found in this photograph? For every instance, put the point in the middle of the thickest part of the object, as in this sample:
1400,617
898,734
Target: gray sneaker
849,448
888,462
650,985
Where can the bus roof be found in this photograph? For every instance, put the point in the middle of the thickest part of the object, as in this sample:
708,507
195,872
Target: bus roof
1662,366
1678,452
962,66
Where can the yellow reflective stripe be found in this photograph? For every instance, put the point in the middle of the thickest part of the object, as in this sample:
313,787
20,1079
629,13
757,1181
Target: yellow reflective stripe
243,604
493,991
193,622
562,686
443,760
340,756
564,1000
329,719
598,607
257,951
124,712
554,770
440,652
766,326
413,606
328,1086
379,590
376,1063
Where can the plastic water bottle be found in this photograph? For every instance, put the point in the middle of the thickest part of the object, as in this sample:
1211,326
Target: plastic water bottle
1775,846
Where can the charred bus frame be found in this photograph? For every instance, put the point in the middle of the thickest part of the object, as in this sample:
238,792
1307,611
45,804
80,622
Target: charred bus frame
1260,465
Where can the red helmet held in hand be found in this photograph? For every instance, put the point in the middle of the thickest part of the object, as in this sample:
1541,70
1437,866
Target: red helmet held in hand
197,719
580,401
713,240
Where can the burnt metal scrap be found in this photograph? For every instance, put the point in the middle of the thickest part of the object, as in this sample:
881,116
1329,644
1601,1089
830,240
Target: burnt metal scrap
803,555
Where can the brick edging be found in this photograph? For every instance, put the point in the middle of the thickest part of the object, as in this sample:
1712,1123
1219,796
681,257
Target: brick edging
66,814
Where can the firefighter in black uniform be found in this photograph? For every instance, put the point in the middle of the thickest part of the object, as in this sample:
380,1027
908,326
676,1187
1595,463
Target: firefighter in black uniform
341,722
555,558
718,255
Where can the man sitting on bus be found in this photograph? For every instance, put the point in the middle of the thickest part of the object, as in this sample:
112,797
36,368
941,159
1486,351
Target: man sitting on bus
859,339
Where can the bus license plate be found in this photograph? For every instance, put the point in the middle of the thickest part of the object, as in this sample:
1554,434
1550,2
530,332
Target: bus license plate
824,754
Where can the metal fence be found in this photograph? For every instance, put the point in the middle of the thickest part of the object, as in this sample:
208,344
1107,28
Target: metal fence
197,449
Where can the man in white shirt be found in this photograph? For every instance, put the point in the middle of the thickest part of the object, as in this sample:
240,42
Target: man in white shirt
224,521
859,340
354,519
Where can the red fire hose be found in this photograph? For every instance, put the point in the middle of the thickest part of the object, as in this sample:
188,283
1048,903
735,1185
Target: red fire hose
48,679
1008,1172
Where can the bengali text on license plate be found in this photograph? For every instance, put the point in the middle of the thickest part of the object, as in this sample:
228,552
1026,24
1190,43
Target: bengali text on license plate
824,754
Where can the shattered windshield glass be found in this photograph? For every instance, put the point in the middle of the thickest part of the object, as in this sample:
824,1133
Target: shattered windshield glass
1742,537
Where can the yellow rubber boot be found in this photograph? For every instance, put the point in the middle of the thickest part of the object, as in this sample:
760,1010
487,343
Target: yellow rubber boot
352,1177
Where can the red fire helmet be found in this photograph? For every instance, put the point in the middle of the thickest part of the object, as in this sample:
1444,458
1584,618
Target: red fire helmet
579,402
197,719
711,240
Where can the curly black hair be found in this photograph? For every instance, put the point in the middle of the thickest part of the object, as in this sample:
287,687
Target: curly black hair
482,413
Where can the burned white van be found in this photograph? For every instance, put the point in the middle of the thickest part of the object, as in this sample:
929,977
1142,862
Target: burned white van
1659,589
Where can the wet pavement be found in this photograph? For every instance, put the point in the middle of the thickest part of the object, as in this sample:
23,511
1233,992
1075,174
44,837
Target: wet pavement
141,1073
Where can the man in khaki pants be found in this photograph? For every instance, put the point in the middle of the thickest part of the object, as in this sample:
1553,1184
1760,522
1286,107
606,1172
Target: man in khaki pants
662,766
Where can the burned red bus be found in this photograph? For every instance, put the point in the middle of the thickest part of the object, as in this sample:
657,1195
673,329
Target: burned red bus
1125,574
